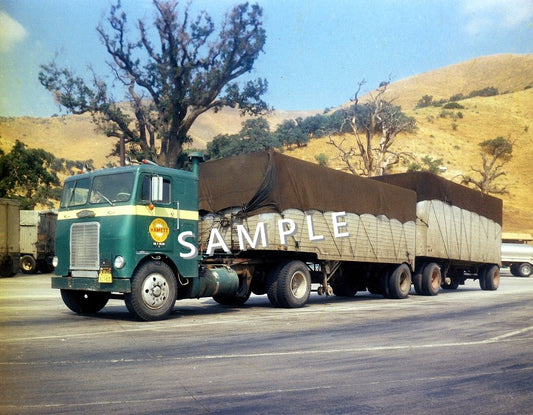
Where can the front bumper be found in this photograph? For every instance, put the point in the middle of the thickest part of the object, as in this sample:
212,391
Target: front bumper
120,285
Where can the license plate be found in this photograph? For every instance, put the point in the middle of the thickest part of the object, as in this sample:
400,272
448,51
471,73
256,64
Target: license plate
105,276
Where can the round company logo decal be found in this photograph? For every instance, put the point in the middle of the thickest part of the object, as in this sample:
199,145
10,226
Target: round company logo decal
159,230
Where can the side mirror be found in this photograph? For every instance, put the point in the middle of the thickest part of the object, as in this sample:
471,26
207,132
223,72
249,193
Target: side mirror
157,189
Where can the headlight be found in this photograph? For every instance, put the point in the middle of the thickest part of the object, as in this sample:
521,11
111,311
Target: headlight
55,261
119,262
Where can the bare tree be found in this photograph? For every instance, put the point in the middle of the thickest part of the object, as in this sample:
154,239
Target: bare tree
375,126
494,155
169,79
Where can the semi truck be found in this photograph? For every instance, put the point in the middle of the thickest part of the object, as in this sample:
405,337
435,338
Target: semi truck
265,223
519,257
37,240
9,237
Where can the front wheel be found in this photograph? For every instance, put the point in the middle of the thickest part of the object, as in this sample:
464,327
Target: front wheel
85,302
153,292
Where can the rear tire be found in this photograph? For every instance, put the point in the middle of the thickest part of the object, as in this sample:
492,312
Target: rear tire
524,270
431,279
293,285
490,277
399,283
153,292
85,302
28,265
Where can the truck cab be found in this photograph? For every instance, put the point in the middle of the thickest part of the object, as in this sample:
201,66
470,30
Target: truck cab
112,223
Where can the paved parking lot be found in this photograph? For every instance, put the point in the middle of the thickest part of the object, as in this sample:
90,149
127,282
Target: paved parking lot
468,351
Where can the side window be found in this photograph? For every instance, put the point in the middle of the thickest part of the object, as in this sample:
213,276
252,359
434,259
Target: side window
146,189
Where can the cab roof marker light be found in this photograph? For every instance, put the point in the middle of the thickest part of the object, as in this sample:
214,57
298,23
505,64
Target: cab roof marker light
149,162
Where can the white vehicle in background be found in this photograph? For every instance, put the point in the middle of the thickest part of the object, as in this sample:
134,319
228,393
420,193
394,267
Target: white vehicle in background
519,257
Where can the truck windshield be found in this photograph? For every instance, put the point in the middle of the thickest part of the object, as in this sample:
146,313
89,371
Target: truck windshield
107,189
111,188
75,193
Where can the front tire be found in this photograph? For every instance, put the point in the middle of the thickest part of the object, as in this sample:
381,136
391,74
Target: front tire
85,302
153,292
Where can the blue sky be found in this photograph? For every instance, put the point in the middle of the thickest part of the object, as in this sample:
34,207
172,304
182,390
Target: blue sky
316,51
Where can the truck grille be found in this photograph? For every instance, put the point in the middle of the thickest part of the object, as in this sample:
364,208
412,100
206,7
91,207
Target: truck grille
84,246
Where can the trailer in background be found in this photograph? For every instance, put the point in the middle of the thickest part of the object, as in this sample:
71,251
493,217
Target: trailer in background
9,237
519,257
37,240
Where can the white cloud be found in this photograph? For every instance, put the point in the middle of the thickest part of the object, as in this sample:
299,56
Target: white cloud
11,32
484,16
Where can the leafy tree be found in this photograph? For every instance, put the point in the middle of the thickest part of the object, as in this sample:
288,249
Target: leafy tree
322,159
428,164
25,174
290,132
494,155
168,82
425,101
255,135
375,126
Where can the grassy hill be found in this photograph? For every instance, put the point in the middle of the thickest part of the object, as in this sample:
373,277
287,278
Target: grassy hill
456,141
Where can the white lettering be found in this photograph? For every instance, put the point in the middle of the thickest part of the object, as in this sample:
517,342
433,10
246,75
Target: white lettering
243,234
193,250
311,230
212,245
283,233
335,216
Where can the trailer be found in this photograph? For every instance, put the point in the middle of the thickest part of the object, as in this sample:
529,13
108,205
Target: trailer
37,240
9,237
458,233
264,223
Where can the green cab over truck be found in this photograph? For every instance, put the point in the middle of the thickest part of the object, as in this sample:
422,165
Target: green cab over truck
269,224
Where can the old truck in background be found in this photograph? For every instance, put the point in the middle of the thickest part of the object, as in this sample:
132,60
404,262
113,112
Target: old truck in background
519,257
9,237
37,240
269,224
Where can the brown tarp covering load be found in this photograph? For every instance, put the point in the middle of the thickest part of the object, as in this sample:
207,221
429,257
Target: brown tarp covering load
429,186
272,182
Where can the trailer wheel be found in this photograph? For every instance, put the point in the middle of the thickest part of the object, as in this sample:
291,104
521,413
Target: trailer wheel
524,270
431,279
293,285
489,279
399,283
85,302
28,265
272,283
153,292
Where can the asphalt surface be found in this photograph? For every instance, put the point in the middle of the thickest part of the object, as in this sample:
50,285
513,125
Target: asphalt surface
461,352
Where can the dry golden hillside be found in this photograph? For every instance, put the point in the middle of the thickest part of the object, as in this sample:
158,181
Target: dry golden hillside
509,114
